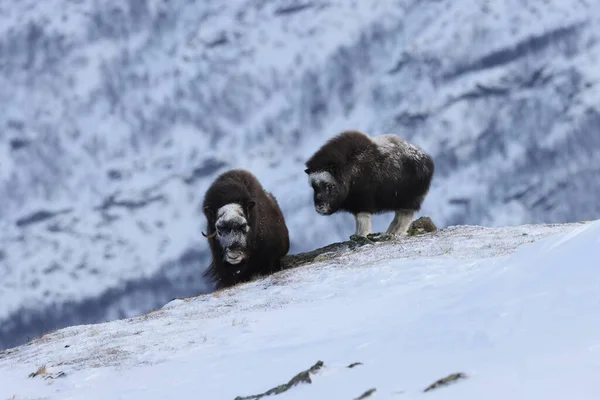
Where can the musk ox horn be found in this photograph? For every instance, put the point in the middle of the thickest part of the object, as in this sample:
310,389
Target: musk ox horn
212,235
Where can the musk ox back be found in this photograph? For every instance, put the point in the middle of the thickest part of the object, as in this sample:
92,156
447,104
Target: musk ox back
245,229
364,175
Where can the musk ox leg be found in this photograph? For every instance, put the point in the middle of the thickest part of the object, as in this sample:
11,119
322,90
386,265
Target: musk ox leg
401,222
363,224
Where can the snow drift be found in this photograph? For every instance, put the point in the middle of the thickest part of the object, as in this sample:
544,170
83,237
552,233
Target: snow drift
513,309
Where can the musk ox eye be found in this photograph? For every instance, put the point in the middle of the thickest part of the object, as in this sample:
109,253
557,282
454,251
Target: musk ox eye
244,226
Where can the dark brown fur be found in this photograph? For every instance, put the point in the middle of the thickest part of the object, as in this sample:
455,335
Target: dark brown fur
366,181
269,236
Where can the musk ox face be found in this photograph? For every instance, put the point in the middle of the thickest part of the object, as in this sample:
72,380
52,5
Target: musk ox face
328,192
232,233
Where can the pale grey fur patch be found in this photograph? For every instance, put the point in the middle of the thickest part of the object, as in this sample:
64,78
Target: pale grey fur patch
321,176
231,212
322,208
363,224
397,149
234,257
401,222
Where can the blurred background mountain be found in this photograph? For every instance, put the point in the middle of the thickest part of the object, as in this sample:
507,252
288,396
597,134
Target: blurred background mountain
116,115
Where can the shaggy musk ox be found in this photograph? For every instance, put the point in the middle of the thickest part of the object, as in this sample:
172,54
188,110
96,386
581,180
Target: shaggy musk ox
245,227
365,175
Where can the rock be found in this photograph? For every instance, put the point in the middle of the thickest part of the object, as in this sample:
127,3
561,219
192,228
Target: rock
301,377
295,260
321,257
421,226
366,394
418,227
446,381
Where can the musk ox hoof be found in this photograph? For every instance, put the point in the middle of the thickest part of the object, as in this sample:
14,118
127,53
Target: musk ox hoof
381,237
359,241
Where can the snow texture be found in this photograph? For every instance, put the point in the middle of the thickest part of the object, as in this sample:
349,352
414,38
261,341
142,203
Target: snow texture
514,309
116,116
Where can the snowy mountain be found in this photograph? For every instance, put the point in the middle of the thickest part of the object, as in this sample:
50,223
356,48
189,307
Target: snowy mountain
512,311
117,115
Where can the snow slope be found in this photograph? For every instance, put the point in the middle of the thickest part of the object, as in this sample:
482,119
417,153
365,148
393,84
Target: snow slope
117,115
518,316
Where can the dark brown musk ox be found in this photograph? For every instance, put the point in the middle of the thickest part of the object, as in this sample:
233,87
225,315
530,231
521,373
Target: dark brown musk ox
364,175
245,229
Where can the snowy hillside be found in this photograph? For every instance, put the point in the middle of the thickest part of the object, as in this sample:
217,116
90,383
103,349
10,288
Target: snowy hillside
513,309
116,115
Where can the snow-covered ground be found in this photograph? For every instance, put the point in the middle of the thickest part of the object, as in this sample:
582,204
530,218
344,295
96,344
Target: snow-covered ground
116,115
514,308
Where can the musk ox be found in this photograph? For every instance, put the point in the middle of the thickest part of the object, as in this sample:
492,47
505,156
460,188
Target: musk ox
245,228
364,175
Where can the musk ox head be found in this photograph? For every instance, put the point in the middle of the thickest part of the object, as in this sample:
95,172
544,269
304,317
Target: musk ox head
329,191
232,232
